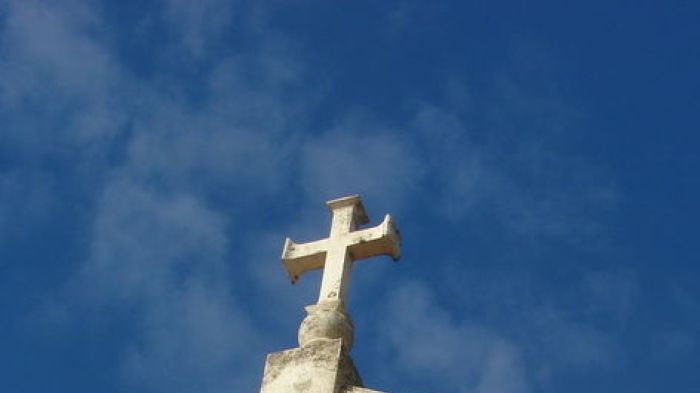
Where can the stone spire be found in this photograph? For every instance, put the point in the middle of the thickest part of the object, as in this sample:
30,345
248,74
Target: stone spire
321,363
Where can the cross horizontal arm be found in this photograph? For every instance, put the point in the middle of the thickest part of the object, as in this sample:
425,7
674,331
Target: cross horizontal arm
382,239
300,258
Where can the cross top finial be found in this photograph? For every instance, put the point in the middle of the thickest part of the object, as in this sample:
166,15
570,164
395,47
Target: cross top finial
345,244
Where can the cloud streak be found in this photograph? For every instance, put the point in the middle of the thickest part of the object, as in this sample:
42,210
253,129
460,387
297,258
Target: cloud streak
430,344
166,169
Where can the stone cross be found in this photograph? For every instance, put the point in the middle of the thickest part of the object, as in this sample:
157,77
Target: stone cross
345,244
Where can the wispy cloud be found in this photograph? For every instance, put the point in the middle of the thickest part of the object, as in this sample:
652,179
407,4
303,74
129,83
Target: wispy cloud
159,251
165,173
197,24
165,256
55,69
533,190
430,343
361,157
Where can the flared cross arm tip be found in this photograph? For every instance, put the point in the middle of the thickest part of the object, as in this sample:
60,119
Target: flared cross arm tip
384,239
300,258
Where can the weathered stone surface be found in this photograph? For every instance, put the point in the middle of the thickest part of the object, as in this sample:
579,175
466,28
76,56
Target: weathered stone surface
327,320
345,244
321,366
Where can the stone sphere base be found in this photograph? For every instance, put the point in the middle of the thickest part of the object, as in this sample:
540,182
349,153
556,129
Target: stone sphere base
327,319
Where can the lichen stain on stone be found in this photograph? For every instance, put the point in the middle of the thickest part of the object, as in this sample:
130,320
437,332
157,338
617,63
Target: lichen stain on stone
321,364
303,386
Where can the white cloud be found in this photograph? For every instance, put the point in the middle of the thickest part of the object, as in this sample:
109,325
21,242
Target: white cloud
360,157
463,176
191,340
51,41
530,188
512,340
161,244
559,339
54,69
430,344
181,148
165,255
196,23
145,242
159,250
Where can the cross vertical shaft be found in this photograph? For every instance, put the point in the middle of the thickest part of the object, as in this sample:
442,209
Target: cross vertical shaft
336,272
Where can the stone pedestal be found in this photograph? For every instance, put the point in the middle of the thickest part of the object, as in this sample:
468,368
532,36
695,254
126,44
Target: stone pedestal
320,366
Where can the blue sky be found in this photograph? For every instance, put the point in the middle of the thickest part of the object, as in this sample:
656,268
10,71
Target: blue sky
540,160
